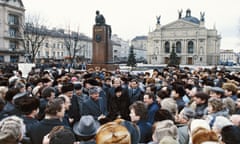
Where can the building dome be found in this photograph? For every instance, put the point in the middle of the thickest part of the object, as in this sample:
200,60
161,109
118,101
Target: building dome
190,18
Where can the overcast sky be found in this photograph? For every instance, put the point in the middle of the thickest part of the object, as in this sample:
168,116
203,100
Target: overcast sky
130,18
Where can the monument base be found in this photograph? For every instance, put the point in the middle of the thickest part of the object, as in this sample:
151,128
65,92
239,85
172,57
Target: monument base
109,67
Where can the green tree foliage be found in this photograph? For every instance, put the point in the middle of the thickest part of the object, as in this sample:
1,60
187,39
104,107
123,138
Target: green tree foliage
131,58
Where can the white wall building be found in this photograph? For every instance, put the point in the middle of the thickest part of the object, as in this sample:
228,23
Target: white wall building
228,56
193,42
120,49
140,47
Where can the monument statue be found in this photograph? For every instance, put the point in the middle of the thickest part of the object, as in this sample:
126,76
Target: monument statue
102,46
158,19
99,19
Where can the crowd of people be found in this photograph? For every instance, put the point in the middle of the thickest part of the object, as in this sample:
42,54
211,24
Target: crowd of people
169,106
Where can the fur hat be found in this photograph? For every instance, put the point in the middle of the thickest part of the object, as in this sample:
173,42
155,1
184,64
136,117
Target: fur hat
198,123
46,80
12,129
231,87
77,86
66,87
92,82
87,126
204,135
113,133
164,128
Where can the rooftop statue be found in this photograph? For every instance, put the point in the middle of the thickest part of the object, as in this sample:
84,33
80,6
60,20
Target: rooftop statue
180,14
202,14
158,19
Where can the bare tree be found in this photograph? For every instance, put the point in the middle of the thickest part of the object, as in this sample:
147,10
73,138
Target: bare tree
34,34
71,40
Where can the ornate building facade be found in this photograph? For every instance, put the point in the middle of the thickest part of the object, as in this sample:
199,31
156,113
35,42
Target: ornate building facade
193,43
11,30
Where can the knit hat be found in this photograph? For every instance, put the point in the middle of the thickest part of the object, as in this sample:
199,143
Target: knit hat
87,126
93,90
12,129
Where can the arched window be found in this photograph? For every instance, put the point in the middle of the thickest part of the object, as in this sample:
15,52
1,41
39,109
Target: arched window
178,47
190,47
167,47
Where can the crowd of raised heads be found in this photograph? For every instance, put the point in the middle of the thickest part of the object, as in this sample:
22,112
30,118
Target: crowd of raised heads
172,105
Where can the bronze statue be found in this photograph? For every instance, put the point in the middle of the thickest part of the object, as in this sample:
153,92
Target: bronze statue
202,14
99,19
158,19
180,14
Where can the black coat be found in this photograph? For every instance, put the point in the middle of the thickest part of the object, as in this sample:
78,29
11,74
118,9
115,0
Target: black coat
119,106
38,131
74,111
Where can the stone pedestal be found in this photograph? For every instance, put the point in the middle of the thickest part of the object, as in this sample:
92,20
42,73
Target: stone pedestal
102,48
109,67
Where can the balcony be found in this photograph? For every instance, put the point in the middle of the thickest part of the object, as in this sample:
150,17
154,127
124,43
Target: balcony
17,36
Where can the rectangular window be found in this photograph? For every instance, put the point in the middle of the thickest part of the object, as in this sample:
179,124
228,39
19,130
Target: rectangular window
12,45
12,32
12,19
1,58
46,45
47,54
